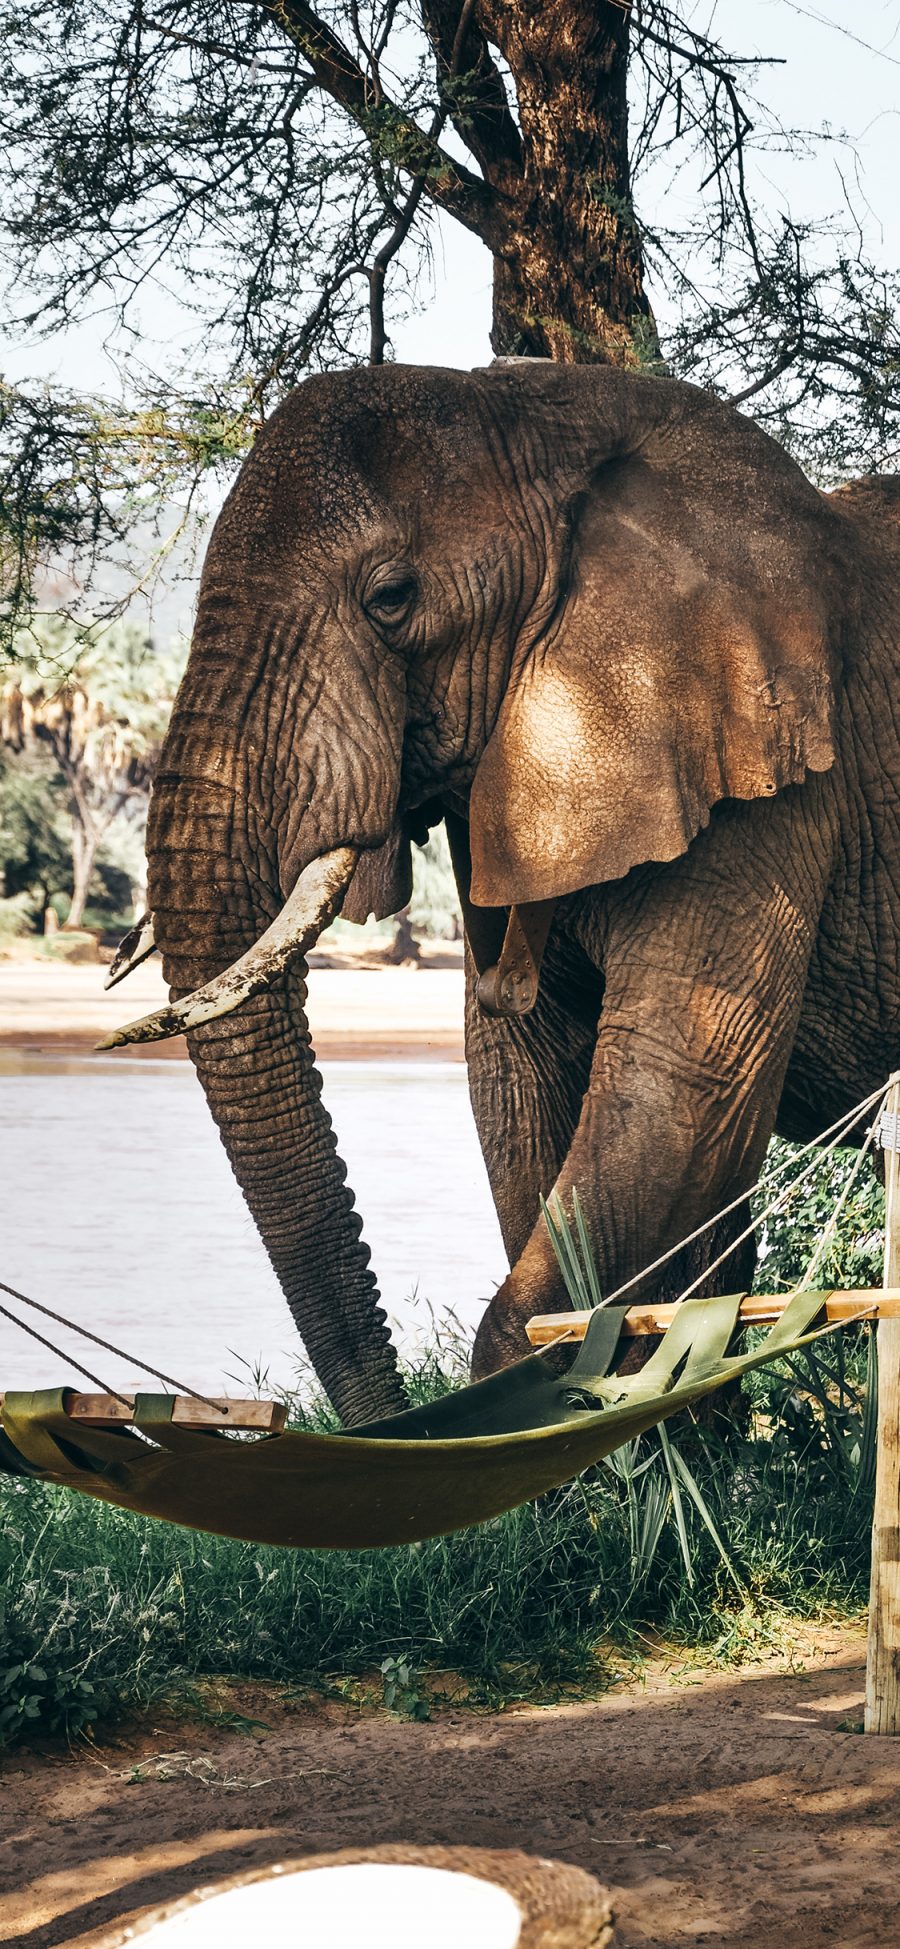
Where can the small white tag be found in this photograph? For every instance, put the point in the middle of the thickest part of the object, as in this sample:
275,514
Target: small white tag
889,1130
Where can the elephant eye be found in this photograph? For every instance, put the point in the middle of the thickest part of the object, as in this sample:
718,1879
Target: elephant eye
390,601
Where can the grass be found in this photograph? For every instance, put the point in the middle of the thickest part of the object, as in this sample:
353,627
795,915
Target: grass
106,1612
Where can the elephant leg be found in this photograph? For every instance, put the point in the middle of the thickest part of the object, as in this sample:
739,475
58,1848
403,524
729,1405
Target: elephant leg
527,1079
705,967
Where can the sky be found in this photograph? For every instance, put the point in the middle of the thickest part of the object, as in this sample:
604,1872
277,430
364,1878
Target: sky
841,71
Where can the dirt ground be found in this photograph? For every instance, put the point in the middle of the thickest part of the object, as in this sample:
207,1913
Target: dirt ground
721,1808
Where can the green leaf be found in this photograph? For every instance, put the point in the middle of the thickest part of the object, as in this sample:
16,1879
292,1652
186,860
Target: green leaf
703,1511
677,1505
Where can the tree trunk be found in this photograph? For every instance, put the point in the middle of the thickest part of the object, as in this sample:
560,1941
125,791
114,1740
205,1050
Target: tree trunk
84,853
568,270
405,948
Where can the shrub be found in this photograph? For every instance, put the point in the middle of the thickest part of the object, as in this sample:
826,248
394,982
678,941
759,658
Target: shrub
16,919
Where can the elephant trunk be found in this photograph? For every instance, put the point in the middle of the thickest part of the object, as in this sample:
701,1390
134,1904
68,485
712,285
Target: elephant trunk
257,1070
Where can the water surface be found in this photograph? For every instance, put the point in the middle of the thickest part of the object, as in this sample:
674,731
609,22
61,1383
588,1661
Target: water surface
120,1210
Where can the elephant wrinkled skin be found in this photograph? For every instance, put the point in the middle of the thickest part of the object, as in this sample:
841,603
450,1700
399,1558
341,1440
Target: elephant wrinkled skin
607,628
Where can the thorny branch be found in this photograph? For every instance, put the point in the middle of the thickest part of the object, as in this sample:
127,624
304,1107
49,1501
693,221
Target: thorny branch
406,216
456,189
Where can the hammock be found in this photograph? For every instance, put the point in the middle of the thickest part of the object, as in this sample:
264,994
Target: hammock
474,1454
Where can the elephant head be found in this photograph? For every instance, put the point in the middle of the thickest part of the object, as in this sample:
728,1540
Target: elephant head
574,607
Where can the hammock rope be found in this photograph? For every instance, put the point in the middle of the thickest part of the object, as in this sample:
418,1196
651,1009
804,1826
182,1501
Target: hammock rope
70,1357
108,1346
843,1126
829,1229
781,1203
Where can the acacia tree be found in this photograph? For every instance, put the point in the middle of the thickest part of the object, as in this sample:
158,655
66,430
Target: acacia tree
100,709
278,167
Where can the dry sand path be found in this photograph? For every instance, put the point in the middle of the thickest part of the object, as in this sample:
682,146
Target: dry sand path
736,1810
356,1012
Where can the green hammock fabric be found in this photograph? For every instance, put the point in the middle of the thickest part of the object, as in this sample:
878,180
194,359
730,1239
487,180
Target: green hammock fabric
462,1459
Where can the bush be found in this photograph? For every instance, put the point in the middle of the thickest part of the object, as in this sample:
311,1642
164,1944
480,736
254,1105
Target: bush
74,948
41,1689
855,1256
434,908
34,835
16,919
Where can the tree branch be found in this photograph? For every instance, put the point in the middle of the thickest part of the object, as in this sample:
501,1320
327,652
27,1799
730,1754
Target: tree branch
767,378
481,113
206,45
405,217
455,189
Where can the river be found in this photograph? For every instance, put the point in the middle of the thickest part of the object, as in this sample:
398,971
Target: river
121,1212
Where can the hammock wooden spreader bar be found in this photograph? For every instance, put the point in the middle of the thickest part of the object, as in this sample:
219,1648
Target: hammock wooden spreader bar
472,1455
545,1329
839,1308
188,1411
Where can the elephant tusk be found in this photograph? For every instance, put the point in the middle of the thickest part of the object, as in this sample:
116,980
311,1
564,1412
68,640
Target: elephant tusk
316,898
133,948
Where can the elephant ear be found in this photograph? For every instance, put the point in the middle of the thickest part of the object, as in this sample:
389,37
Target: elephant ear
689,661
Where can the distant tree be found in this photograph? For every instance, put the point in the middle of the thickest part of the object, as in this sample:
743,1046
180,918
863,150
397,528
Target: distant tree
98,705
277,168
434,908
35,848
433,912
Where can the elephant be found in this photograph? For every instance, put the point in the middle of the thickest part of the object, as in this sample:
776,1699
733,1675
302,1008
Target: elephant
604,625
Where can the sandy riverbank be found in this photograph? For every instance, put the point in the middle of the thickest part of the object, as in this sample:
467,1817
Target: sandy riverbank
358,1011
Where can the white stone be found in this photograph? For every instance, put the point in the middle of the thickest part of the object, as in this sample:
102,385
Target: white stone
362,1905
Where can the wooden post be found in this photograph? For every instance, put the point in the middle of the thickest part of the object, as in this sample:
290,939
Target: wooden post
883,1661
